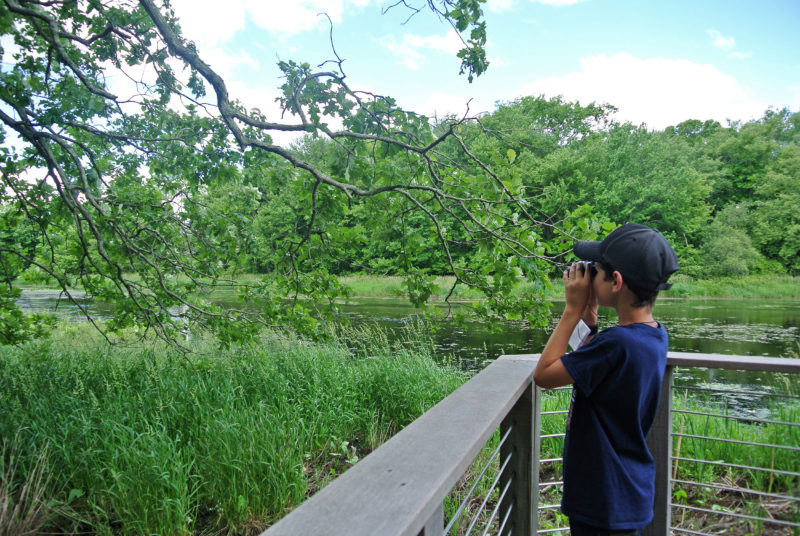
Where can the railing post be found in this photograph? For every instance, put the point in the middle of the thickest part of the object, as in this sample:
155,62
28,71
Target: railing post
659,440
522,498
434,525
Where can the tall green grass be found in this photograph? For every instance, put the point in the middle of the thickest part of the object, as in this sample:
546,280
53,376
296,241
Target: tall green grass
754,286
142,441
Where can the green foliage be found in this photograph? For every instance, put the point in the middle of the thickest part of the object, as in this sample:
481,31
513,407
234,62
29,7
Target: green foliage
144,442
727,249
150,207
776,223
751,286
630,174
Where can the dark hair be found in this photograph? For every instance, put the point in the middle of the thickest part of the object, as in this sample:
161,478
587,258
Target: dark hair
644,297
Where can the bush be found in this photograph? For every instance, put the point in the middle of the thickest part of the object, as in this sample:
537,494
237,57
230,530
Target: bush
728,251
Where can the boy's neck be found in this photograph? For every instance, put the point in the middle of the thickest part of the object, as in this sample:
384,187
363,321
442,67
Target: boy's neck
634,315
627,313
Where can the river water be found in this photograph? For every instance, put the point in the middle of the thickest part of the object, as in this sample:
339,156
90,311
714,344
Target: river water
713,326
755,327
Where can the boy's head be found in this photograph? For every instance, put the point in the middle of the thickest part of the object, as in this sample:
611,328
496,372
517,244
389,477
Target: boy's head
641,254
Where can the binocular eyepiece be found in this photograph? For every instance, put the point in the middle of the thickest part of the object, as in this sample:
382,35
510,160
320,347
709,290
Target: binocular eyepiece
586,265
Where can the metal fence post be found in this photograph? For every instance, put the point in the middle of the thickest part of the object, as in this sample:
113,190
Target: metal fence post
521,502
659,440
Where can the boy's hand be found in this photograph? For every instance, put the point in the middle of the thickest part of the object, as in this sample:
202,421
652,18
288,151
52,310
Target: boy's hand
590,312
578,288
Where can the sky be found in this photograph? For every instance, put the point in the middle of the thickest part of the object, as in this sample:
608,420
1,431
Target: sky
659,62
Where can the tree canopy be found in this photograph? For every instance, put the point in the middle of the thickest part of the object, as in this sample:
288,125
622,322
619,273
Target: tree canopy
131,173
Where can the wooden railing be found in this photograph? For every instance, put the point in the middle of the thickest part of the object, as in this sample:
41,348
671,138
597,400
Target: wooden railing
400,488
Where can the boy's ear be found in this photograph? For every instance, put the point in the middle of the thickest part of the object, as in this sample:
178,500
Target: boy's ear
616,281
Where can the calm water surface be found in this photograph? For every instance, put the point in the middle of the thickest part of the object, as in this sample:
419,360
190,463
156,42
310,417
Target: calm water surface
714,326
721,326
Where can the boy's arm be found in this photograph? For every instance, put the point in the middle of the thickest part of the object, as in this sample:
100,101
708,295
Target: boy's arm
550,371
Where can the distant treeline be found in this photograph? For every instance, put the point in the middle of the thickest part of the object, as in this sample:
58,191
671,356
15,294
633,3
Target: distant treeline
727,197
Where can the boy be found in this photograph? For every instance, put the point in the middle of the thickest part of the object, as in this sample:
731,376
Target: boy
609,474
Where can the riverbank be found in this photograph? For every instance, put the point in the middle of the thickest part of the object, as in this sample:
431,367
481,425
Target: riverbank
369,286
753,286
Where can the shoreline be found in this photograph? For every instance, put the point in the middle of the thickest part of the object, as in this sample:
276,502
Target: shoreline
391,287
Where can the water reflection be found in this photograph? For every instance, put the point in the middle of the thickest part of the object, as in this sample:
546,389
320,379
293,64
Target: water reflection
740,327
734,327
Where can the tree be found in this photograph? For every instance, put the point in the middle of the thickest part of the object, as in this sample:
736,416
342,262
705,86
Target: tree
141,178
727,248
775,222
630,174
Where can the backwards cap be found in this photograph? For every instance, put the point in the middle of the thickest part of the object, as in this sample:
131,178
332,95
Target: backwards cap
641,254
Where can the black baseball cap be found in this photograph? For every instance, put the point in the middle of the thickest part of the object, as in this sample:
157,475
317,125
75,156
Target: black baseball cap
640,253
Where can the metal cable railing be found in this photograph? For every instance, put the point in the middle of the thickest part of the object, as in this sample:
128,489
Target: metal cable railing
748,496
462,507
550,521
727,491
736,490
737,466
722,512
735,417
736,392
738,442
718,466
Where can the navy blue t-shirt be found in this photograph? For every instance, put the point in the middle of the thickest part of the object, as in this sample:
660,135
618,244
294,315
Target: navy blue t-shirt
609,473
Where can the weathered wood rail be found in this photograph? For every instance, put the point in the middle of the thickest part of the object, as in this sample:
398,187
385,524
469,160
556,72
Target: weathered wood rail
399,489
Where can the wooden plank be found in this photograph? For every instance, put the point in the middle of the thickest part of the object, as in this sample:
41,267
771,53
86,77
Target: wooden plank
659,441
397,488
737,362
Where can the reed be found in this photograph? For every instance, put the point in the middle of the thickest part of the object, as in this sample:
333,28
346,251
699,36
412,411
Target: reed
114,440
142,441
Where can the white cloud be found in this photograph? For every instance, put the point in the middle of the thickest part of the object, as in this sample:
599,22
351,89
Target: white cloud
497,6
740,55
720,41
657,91
496,62
208,23
410,51
225,62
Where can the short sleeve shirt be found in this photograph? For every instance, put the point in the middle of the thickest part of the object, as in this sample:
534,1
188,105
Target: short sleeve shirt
609,473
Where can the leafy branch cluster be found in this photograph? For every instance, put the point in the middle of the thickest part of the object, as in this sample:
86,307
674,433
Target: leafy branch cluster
120,166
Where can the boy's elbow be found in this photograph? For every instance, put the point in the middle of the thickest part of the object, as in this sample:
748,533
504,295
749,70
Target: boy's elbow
540,378
553,376
537,378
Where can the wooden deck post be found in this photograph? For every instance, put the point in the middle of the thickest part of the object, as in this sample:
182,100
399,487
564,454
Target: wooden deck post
435,525
659,440
522,498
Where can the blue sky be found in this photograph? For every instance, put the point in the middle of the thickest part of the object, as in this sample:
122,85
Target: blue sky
660,62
